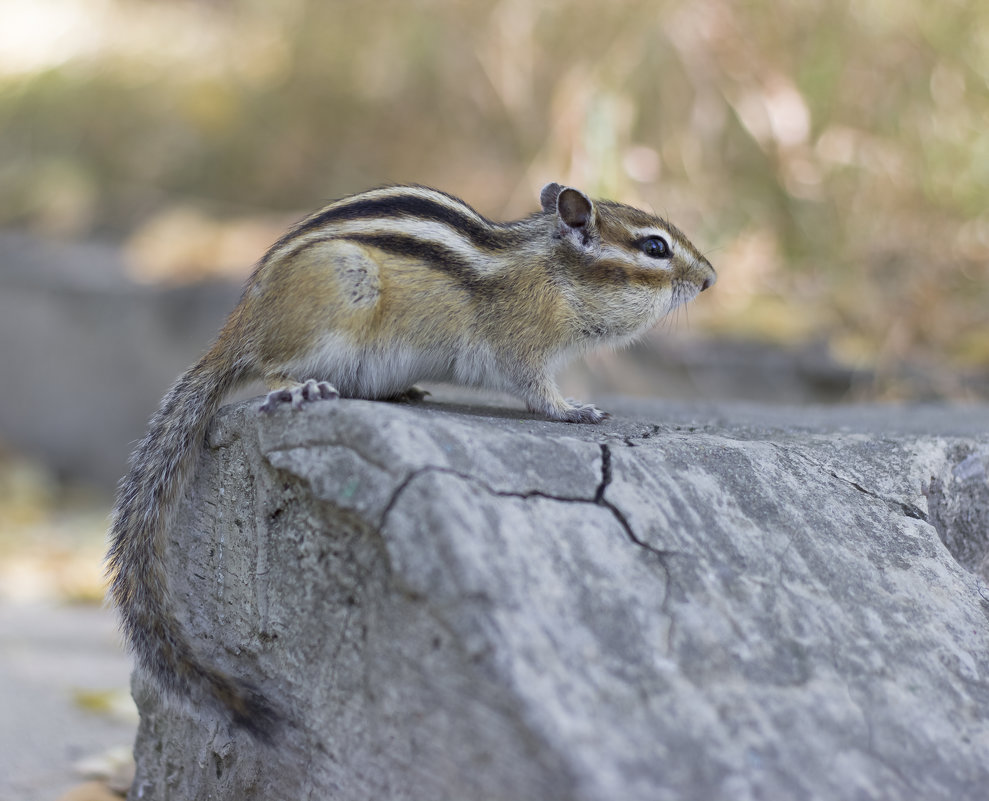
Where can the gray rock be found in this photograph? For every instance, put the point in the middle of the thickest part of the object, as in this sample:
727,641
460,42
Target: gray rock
467,603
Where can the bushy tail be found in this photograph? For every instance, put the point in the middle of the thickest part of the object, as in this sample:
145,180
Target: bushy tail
160,469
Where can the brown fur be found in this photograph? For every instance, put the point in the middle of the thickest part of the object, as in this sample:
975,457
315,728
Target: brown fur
370,296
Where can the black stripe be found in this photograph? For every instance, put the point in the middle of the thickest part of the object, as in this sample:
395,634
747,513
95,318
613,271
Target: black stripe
481,233
430,254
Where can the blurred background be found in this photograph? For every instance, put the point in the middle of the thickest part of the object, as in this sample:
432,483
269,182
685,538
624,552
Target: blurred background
831,158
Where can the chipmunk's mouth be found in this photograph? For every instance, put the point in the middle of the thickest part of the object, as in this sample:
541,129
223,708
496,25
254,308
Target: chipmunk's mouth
685,291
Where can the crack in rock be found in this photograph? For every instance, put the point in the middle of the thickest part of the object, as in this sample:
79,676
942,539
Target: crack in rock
597,500
896,506
901,507
660,554
957,506
600,500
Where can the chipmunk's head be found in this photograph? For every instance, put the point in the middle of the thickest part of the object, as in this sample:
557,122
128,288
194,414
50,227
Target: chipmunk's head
636,266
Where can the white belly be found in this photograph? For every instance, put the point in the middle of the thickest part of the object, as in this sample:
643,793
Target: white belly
359,371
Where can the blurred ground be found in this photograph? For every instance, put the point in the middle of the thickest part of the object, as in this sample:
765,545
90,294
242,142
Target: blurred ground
64,679
65,694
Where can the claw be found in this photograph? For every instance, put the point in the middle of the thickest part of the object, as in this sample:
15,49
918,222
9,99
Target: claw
300,394
411,395
578,412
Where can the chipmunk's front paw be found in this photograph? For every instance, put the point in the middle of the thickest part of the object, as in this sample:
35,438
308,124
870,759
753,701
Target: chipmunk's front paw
300,394
577,412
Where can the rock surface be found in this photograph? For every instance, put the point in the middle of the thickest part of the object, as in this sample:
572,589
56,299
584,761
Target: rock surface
467,603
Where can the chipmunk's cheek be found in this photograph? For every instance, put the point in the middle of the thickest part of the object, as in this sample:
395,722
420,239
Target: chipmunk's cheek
665,302
608,273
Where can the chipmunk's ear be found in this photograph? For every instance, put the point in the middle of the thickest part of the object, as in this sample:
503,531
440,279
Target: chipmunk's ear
573,206
548,196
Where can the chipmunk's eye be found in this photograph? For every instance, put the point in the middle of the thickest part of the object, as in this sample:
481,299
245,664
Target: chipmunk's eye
656,247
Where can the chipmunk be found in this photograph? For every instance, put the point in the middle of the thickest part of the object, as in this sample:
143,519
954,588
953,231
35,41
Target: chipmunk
362,299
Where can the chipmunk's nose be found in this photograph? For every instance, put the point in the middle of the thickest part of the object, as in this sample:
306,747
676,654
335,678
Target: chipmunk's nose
708,283
710,276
